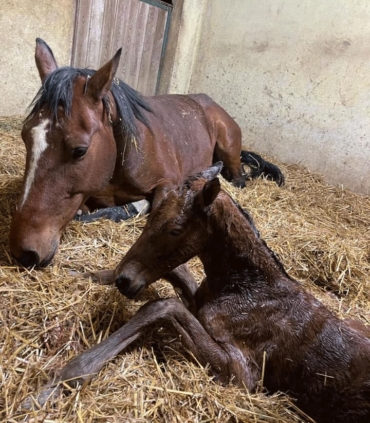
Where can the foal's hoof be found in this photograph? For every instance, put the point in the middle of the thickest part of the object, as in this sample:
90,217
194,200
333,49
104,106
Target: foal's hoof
102,277
37,401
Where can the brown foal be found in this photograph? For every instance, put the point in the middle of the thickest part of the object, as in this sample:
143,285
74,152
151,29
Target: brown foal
248,312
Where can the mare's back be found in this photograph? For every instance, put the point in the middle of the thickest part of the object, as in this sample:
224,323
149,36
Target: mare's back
180,132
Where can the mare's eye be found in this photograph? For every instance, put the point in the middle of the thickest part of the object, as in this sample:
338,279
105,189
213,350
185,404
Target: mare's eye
175,232
78,152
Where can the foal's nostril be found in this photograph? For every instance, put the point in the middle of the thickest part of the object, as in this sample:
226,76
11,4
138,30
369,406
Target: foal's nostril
123,284
29,258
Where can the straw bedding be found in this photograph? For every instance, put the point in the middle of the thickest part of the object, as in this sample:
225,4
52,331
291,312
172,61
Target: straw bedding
320,233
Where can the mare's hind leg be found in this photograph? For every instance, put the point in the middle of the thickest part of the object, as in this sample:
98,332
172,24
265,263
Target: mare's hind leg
193,336
228,149
259,167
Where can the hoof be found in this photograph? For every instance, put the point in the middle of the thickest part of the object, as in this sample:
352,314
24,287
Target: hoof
117,214
102,277
37,401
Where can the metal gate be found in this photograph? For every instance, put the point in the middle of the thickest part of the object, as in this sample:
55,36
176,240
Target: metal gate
140,27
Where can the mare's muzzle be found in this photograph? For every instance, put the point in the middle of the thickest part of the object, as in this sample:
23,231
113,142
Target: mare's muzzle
31,258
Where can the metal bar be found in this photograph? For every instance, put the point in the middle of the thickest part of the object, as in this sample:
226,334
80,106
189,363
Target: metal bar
74,41
159,3
168,8
164,46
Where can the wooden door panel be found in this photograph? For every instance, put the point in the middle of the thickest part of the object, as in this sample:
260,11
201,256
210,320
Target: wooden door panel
138,26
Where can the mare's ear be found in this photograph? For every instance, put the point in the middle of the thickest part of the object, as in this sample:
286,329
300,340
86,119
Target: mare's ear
208,194
45,60
101,82
212,172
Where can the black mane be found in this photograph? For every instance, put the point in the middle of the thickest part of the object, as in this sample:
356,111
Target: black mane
57,90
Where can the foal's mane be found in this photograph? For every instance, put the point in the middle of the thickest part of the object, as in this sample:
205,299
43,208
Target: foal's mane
249,220
247,217
57,90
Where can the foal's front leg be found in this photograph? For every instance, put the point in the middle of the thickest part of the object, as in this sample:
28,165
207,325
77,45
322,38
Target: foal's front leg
180,278
193,336
101,277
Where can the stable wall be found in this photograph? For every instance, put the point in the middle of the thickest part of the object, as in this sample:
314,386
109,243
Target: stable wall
296,76
21,22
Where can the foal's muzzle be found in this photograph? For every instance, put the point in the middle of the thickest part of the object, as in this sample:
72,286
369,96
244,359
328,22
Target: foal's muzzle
126,287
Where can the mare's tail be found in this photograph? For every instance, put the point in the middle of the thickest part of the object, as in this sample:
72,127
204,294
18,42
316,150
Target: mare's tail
261,167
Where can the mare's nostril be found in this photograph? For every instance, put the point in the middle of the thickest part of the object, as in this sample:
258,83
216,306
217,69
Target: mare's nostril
123,284
28,258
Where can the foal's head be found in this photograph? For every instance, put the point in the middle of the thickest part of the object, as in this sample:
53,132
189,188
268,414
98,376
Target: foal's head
71,154
175,232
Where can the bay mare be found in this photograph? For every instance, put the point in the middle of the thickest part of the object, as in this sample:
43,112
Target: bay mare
93,142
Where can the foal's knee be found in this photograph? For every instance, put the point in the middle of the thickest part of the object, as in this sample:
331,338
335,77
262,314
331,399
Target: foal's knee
161,308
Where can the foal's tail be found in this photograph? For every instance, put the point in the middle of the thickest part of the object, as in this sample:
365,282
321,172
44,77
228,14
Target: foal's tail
261,167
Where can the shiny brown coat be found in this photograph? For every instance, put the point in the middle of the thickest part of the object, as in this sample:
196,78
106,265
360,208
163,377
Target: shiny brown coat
248,312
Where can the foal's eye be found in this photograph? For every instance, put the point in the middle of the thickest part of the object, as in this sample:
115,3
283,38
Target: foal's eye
175,232
78,152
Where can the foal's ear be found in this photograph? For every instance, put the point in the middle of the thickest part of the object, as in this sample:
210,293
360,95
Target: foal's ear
45,60
101,82
212,171
208,194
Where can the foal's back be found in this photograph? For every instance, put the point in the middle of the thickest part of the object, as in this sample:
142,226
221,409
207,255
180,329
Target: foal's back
251,307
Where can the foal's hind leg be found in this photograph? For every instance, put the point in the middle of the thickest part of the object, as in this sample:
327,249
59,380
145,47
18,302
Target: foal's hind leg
193,336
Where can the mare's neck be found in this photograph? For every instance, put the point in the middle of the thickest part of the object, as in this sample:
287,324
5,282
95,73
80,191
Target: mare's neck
234,253
126,144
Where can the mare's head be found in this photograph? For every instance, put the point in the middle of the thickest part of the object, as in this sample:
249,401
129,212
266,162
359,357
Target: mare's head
71,152
175,232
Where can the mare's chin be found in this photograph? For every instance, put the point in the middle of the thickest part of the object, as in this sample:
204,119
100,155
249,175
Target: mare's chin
49,258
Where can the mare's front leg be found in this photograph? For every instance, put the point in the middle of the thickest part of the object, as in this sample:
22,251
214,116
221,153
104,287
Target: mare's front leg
115,213
113,203
193,336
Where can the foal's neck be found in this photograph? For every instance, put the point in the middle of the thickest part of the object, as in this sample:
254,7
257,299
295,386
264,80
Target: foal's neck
235,253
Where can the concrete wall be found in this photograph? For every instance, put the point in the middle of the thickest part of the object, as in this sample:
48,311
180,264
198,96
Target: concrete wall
182,47
296,76
21,21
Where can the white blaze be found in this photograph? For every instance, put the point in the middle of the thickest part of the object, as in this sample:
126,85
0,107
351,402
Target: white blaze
38,147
